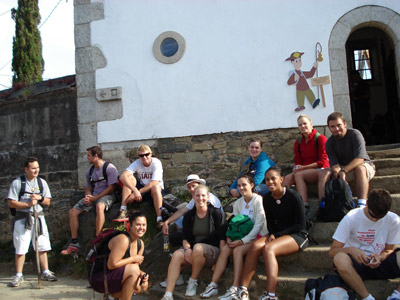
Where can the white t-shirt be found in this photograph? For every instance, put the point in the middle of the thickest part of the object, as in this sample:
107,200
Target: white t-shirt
148,174
213,200
30,187
356,230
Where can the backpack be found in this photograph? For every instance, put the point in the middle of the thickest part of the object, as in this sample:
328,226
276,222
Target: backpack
338,201
117,186
98,253
316,142
239,226
13,211
331,287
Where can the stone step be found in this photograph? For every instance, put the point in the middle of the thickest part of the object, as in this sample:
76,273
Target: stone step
391,183
290,286
387,166
383,151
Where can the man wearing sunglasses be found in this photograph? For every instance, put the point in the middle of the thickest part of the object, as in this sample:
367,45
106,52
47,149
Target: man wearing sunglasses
363,245
146,185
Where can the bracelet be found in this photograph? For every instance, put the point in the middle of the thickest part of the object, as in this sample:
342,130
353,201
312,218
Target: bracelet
343,170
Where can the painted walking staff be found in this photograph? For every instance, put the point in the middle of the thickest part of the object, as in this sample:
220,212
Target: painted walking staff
299,78
320,81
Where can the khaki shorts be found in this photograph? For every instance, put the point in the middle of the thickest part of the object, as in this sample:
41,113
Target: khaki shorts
210,253
107,200
370,172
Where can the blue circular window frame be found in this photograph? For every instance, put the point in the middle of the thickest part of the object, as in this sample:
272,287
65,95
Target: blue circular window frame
162,38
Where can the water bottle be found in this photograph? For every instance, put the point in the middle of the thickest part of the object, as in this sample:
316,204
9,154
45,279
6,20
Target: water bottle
322,204
166,245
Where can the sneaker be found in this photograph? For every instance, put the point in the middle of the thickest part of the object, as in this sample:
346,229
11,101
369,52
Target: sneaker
191,288
230,294
391,297
265,296
165,297
243,295
180,281
211,290
49,276
71,248
16,281
123,214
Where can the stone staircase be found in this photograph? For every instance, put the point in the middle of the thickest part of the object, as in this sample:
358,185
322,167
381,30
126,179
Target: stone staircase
314,262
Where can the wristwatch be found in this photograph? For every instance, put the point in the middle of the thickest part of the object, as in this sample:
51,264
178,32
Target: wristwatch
343,170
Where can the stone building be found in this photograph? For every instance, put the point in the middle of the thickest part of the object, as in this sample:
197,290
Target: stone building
196,79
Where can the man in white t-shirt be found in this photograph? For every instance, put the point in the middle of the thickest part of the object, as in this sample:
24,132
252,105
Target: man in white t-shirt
150,185
363,244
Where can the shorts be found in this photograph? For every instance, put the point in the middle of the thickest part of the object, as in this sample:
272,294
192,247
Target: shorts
22,237
107,200
388,269
210,253
370,172
114,280
301,239
147,196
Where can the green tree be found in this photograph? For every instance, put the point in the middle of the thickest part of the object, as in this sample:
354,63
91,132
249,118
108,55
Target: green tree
27,63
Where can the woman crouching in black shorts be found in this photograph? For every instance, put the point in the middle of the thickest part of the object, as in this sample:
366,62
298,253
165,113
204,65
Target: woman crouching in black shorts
286,222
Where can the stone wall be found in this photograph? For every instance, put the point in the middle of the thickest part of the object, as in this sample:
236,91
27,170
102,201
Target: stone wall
41,122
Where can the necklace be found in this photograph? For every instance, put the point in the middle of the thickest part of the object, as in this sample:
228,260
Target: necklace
247,204
278,201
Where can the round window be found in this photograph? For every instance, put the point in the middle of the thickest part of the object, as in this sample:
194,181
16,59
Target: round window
169,47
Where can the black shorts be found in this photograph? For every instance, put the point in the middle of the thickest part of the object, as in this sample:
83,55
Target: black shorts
301,239
147,196
387,270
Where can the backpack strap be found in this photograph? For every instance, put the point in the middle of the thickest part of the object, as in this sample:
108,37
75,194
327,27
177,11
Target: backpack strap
139,245
105,176
23,186
316,142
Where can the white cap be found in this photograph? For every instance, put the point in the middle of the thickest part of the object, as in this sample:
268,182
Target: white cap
195,178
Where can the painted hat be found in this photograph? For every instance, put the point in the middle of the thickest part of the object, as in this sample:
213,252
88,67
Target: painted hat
195,178
294,55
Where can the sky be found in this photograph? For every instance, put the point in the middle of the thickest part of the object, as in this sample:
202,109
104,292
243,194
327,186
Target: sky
57,33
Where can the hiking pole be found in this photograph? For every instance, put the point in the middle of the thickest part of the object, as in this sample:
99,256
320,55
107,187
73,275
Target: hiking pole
36,247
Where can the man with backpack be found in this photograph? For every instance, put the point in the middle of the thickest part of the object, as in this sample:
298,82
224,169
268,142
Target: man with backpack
101,178
27,195
348,158
363,244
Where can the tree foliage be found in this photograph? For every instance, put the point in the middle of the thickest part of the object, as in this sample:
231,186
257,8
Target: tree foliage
27,63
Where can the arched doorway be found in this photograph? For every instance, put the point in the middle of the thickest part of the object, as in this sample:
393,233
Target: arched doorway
381,20
375,108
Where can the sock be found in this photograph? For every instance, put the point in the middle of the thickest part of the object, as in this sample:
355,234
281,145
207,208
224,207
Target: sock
122,208
159,218
168,294
271,294
369,297
362,202
192,280
45,271
213,284
19,274
74,241
395,294
243,288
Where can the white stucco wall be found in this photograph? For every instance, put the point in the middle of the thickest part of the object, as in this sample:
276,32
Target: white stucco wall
233,74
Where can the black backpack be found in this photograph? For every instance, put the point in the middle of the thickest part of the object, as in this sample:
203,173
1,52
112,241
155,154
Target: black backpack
13,211
338,201
331,287
98,253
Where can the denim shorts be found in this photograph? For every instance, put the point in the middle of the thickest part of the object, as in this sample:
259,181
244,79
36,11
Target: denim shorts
107,200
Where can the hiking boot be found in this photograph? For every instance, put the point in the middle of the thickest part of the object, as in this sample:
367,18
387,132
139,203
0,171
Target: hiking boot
265,296
230,294
123,214
16,281
165,297
72,247
180,281
49,276
243,295
191,288
211,290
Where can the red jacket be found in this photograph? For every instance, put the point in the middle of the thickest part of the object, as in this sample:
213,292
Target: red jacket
309,153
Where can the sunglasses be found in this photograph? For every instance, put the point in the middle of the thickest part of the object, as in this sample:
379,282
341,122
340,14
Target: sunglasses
143,155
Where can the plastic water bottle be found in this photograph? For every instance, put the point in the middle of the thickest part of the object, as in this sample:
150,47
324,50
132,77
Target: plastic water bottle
322,204
166,245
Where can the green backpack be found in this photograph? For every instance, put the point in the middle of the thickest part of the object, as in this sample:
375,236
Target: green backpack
239,227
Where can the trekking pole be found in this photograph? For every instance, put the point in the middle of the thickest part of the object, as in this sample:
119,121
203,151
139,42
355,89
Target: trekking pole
36,248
